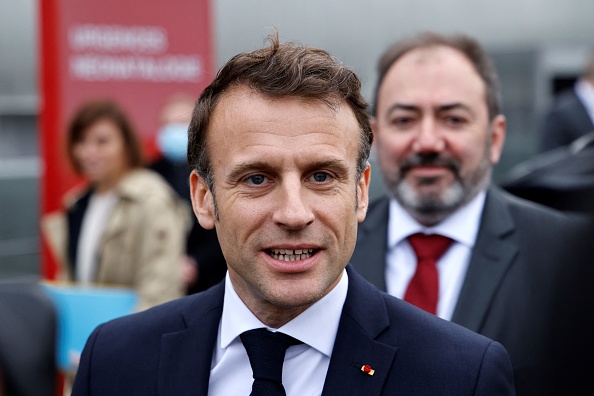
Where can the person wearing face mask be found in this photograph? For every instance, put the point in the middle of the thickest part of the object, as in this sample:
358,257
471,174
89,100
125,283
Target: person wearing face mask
203,264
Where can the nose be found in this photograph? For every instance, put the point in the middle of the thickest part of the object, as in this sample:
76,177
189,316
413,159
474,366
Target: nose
292,210
83,150
429,138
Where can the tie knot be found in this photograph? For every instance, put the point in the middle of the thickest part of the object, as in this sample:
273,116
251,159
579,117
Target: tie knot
429,247
266,351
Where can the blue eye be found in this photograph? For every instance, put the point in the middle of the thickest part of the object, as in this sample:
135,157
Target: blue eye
256,180
320,177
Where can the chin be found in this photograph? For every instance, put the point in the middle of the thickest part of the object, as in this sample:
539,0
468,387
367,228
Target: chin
301,293
432,205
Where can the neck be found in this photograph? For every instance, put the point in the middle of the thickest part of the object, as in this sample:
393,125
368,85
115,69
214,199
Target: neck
109,183
105,186
277,317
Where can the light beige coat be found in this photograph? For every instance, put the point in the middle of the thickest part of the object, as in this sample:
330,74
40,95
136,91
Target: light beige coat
143,241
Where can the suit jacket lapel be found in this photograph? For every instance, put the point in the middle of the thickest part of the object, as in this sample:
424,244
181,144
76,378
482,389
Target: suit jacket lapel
363,319
492,255
186,355
369,257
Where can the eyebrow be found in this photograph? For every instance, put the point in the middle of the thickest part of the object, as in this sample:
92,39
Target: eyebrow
336,164
440,108
244,167
454,106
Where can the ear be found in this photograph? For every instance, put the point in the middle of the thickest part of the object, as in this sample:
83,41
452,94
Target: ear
202,201
498,128
363,194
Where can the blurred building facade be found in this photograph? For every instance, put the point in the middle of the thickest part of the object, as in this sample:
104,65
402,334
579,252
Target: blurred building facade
538,47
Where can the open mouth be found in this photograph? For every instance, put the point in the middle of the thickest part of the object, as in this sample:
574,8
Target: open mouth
291,255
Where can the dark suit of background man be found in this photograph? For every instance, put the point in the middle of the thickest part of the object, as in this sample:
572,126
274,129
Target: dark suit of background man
509,273
279,143
572,114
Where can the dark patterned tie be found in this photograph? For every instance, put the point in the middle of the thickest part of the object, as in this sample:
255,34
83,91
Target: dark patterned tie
266,351
423,289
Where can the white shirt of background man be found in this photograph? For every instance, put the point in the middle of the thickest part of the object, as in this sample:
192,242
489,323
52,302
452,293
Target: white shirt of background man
401,262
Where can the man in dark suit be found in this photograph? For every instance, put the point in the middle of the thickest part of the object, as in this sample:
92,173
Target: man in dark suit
279,143
508,269
572,114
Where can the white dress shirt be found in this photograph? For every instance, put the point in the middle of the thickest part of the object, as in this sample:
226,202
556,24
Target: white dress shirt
585,92
462,226
305,366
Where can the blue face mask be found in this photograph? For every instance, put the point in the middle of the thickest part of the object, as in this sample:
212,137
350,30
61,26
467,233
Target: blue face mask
173,141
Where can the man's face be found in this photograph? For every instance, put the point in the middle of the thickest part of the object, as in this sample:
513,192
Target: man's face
434,141
287,197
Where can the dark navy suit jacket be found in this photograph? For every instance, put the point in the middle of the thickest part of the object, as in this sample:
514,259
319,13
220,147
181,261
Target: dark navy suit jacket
167,350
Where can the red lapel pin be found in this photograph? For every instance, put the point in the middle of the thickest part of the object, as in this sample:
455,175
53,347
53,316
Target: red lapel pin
367,369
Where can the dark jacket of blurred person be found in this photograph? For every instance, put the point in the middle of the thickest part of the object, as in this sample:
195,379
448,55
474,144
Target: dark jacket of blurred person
27,340
572,114
127,226
562,178
203,252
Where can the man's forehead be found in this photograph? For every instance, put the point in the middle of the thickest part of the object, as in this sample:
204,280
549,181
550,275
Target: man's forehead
242,101
249,93
445,73
433,54
430,62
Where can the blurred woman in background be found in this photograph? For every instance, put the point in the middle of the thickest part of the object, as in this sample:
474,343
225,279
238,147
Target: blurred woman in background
126,227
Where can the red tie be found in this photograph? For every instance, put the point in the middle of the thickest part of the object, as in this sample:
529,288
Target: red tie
423,288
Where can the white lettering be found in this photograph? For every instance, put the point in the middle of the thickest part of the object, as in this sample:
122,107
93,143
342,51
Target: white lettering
169,68
114,38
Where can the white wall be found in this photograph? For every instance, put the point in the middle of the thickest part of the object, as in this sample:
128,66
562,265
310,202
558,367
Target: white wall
357,31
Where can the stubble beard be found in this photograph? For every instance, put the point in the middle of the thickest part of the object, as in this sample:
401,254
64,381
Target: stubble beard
433,207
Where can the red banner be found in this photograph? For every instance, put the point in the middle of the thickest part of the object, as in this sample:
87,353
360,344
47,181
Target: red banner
138,53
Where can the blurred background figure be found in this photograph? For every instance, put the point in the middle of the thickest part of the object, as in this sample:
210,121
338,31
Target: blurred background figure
204,264
561,175
572,113
126,226
561,178
27,339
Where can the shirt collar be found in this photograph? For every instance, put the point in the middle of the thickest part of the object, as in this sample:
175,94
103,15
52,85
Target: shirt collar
316,326
461,226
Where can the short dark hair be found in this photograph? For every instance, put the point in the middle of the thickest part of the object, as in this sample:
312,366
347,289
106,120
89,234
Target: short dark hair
468,46
94,111
280,70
